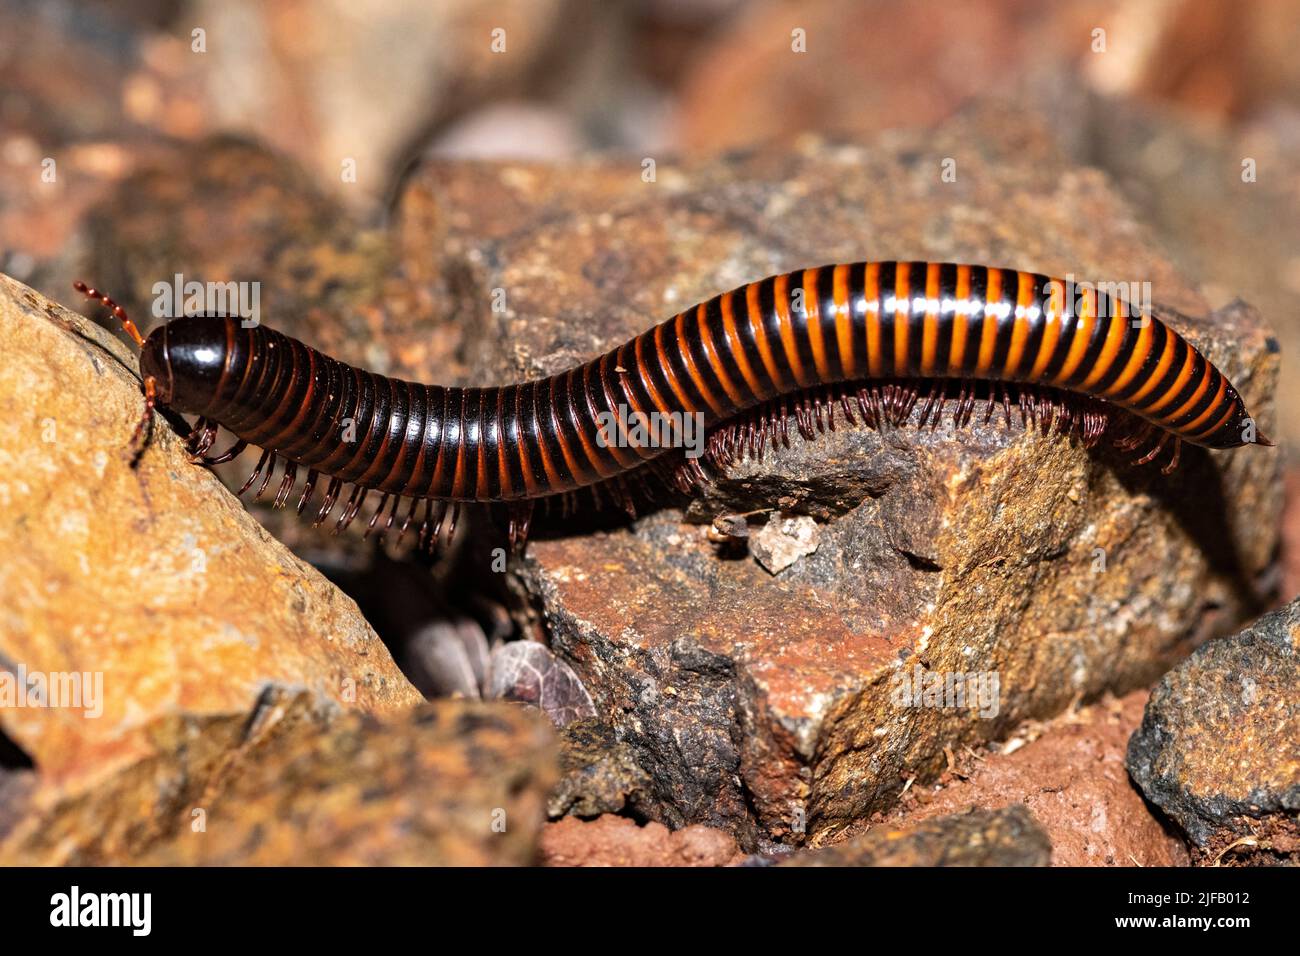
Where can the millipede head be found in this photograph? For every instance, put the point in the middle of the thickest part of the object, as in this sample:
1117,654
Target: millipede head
187,356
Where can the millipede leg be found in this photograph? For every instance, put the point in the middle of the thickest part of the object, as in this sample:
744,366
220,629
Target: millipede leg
308,488
520,516
350,509
410,516
1164,438
266,479
374,518
286,484
1130,442
1173,462
261,463
230,454
392,515
331,498
428,532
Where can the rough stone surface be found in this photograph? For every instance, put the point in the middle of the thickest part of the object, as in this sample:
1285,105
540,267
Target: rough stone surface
1070,774
1219,745
153,578
295,783
618,841
1007,837
599,774
528,672
751,698
784,540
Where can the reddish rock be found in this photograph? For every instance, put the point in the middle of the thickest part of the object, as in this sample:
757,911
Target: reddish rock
618,841
1071,775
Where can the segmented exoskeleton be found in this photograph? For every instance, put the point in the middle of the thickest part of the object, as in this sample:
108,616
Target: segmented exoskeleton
878,340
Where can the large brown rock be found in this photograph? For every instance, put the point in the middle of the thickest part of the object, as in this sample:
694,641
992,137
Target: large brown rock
755,700
151,581
298,782
1219,745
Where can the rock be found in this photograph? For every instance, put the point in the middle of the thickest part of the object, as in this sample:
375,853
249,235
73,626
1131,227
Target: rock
751,699
448,659
152,583
1291,534
896,65
1071,776
295,783
528,672
1007,837
784,540
599,774
313,97
617,841
1219,745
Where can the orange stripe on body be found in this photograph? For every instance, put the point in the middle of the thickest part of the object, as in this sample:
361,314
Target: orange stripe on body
715,361
902,311
575,415
755,318
844,321
1110,348
785,327
1141,349
1053,309
1021,326
656,397
989,331
1195,397
737,347
871,294
612,401
692,369
930,326
570,459
957,349
1082,335
812,308
1184,374
1162,366
1227,416
1199,421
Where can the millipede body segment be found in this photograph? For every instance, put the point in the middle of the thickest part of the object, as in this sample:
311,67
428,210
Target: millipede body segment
895,329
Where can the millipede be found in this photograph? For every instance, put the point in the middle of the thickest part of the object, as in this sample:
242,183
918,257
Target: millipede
879,341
